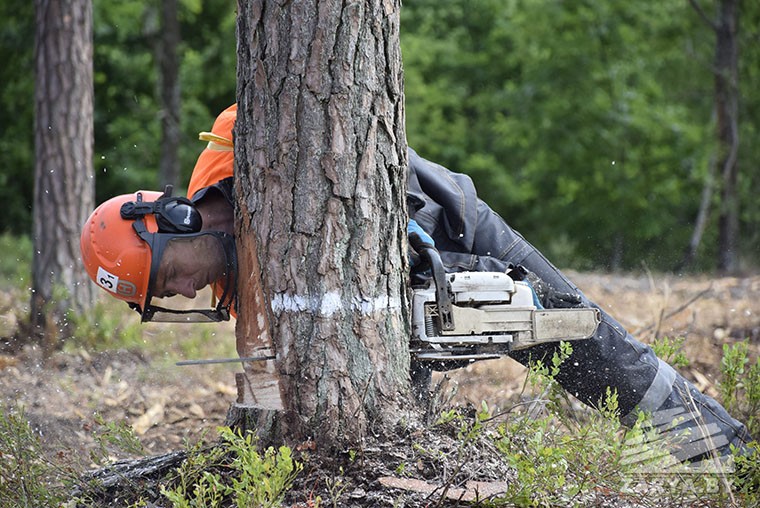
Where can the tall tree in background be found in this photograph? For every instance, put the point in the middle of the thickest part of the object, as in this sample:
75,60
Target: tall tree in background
726,108
727,113
63,183
169,93
320,188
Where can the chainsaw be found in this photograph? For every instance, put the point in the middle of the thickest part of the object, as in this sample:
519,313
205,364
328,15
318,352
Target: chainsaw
469,316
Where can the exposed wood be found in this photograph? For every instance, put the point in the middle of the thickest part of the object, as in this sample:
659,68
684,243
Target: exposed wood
258,385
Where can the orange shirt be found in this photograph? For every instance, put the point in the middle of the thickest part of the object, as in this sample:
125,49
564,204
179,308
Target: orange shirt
216,161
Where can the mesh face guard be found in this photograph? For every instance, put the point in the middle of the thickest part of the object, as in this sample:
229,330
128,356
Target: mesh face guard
220,312
168,231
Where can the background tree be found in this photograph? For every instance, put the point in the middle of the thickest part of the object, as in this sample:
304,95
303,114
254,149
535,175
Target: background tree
320,151
169,93
726,70
128,107
63,179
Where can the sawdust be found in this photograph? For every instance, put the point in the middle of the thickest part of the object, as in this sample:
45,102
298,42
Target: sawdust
169,405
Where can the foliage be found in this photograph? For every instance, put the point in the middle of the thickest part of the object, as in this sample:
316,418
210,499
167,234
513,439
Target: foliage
16,262
564,456
17,110
560,111
104,328
233,470
27,479
560,459
739,385
670,351
30,476
114,435
564,111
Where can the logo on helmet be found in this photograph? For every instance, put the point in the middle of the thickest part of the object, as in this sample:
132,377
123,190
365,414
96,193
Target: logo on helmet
126,288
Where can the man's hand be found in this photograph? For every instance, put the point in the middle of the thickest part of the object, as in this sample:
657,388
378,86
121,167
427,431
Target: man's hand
548,297
413,228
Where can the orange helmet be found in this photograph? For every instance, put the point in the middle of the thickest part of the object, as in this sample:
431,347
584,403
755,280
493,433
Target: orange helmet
123,241
113,253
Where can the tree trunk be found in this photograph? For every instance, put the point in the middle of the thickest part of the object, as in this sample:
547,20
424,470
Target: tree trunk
168,77
320,220
64,182
727,113
703,214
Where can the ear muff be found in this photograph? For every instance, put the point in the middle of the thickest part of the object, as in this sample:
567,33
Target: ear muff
173,215
178,215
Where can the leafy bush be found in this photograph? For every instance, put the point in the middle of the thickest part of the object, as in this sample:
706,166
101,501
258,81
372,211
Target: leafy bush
740,385
234,470
566,456
27,478
31,476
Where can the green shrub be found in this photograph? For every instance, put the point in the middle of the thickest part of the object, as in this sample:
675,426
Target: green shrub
234,471
739,385
27,477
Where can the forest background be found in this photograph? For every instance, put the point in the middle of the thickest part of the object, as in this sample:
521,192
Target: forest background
589,125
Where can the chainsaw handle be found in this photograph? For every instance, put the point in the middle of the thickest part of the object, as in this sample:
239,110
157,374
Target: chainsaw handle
428,252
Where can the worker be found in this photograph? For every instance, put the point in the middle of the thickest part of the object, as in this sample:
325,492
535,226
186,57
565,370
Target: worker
149,245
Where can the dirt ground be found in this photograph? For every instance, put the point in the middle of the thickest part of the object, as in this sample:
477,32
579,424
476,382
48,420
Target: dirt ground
168,405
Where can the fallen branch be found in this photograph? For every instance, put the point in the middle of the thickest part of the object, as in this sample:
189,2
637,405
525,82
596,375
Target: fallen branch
675,311
129,475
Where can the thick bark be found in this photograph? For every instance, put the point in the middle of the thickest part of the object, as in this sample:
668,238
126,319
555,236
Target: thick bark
64,181
168,67
321,151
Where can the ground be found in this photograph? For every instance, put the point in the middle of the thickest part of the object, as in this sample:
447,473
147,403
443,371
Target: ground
169,405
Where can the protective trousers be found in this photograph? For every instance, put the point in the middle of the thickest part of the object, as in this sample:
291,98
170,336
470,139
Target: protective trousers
470,236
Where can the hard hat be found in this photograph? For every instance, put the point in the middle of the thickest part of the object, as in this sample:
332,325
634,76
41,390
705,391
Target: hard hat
123,241
113,253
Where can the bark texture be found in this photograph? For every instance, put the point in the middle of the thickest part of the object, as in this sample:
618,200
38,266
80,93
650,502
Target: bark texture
63,182
321,150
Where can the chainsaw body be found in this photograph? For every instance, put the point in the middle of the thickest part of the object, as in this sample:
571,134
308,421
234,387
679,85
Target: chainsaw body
469,316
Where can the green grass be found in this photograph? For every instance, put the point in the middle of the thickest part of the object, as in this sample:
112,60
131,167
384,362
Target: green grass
15,262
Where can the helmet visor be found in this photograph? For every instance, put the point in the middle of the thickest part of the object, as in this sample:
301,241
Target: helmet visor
158,314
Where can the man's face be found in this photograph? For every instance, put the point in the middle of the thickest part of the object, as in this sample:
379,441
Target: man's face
187,265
